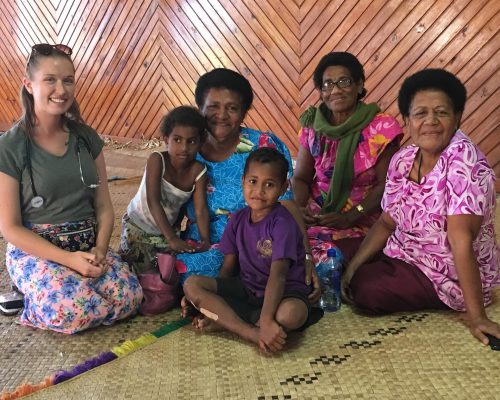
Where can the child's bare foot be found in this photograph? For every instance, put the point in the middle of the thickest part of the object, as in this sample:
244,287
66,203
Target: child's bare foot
188,309
204,324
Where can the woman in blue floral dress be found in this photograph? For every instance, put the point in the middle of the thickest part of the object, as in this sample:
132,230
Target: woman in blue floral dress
224,97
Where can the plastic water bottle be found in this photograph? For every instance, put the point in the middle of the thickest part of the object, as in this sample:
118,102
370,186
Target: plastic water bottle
330,276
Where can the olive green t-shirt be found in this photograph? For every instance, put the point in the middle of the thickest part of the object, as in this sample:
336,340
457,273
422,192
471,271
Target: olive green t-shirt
56,178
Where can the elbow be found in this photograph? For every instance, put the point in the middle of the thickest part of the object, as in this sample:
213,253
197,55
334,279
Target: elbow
8,233
458,242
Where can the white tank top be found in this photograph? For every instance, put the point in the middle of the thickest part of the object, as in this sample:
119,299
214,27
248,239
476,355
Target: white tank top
171,200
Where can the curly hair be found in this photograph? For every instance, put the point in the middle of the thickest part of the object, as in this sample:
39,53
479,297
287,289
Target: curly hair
226,79
432,78
184,116
268,155
344,59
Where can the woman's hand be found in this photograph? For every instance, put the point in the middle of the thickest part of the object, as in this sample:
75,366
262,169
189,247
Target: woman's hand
100,257
335,220
180,246
344,286
481,325
85,264
309,219
204,245
312,278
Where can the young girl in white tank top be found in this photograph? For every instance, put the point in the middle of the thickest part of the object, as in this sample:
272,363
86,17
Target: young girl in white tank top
170,179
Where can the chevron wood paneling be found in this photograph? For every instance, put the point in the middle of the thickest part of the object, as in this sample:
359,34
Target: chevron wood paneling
136,59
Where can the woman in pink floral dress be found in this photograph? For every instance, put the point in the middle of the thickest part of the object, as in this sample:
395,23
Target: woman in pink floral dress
436,229
344,153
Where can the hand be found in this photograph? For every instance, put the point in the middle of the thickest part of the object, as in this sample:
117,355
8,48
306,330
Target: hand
312,277
344,286
271,337
204,245
309,219
481,325
187,308
180,246
335,220
100,258
85,264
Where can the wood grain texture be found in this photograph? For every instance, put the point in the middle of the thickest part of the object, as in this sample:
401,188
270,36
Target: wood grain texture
136,60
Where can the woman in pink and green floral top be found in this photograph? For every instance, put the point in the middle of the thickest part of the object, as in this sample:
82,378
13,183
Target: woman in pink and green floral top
436,229
345,149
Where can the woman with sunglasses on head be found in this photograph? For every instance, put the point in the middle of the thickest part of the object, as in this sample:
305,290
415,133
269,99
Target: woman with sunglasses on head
345,149
56,212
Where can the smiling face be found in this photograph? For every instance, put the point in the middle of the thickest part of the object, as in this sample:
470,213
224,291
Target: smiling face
182,144
342,100
262,186
432,121
224,113
52,85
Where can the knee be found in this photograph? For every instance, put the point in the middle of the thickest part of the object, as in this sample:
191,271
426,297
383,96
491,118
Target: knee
368,295
195,285
64,317
291,314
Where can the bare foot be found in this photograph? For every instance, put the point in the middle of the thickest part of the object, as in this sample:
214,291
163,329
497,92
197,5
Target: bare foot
188,310
204,324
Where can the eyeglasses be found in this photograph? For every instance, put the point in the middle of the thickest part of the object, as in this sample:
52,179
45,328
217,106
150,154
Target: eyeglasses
46,49
342,83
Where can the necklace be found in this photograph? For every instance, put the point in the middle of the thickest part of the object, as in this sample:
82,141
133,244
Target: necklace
419,167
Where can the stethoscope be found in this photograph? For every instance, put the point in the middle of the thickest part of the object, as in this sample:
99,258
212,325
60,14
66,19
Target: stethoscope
38,201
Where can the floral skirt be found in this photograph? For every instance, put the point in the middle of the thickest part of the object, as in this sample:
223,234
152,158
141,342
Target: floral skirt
139,248
59,298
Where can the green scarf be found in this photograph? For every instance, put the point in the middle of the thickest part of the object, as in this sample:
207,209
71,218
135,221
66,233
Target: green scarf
348,134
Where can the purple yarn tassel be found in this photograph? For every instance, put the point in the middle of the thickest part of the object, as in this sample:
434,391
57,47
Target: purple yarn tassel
102,358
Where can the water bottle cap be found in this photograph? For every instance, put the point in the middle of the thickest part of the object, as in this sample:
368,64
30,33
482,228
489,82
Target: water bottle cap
331,252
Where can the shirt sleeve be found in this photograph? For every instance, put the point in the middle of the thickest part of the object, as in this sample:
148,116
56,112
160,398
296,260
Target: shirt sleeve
285,236
227,244
398,167
12,155
470,181
93,139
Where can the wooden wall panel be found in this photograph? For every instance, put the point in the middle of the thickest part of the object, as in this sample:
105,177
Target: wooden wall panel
138,59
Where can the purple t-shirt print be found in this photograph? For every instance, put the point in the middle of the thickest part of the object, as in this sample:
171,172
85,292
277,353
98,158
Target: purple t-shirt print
257,245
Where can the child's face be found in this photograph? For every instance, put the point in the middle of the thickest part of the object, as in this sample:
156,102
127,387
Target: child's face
183,143
262,186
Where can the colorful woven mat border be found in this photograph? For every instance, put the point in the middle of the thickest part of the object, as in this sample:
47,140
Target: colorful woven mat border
124,349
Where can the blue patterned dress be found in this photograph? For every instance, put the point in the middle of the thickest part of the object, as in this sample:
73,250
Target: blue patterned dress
224,197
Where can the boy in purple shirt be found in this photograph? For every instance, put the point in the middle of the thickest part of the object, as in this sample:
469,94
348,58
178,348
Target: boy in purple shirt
260,293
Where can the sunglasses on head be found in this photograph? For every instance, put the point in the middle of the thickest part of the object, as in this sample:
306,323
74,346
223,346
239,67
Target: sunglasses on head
46,49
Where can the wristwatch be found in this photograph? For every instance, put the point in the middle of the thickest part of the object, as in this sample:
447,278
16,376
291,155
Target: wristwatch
309,257
360,208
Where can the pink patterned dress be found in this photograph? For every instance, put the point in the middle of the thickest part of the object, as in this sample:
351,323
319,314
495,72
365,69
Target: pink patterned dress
461,182
373,140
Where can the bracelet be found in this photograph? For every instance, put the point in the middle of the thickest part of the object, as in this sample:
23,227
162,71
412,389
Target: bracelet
360,208
309,257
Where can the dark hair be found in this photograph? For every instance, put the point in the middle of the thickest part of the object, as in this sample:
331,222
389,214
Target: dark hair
226,79
344,59
28,119
432,78
268,155
184,116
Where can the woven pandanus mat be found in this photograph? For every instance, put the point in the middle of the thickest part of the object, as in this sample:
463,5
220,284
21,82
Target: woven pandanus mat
425,355
121,193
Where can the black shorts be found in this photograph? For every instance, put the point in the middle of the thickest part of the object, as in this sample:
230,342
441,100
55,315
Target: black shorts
247,306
